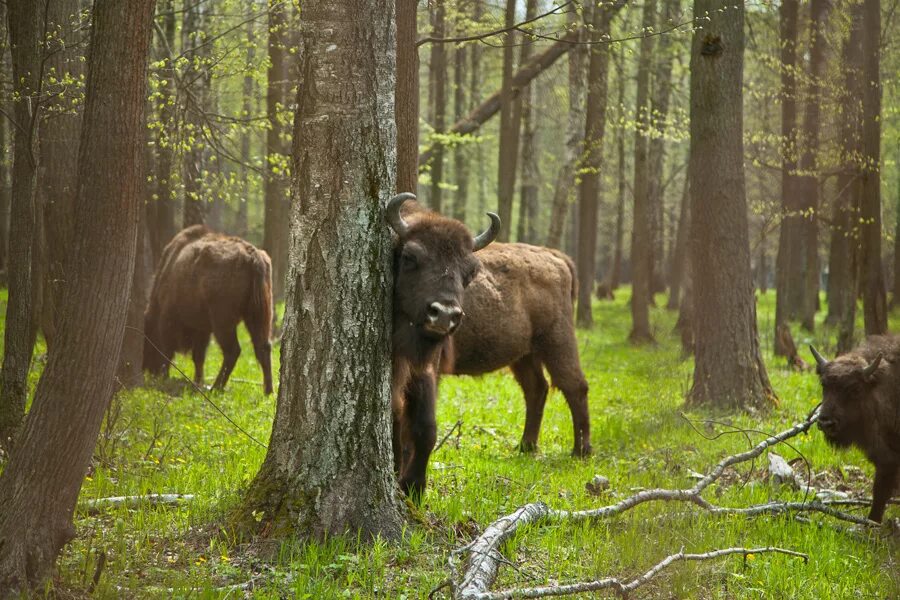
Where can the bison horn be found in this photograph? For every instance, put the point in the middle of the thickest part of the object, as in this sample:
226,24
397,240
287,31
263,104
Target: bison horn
392,213
487,236
870,370
820,360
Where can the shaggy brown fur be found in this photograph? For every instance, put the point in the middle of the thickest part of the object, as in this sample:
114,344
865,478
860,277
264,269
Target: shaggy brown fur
206,284
863,409
519,313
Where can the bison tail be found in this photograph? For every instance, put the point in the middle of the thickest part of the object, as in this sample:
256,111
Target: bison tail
574,273
261,306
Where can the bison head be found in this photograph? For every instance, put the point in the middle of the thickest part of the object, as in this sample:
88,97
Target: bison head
433,264
848,383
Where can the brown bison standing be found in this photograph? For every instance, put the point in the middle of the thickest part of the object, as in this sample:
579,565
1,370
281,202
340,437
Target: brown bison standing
861,407
206,284
433,264
519,313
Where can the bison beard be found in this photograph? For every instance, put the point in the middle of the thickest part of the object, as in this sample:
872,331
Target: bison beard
861,407
206,284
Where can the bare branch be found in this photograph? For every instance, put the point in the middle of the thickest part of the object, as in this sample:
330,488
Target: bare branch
95,506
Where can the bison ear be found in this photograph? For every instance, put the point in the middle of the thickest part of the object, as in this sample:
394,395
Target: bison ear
869,372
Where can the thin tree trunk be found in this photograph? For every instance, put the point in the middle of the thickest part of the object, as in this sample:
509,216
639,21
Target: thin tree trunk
529,185
642,233
476,83
40,485
438,73
808,182
615,277
277,203
164,229
510,121
328,466
25,27
248,91
6,143
406,99
728,368
589,189
195,97
788,272
460,151
565,178
896,295
60,131
680,254
873,289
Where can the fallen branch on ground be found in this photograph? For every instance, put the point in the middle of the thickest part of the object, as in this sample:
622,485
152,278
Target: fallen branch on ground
484,561
100,504
457,425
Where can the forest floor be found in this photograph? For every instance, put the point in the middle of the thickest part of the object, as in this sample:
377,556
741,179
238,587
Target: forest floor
176,442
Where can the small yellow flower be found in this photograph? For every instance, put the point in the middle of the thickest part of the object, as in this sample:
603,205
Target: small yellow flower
225,558
751,557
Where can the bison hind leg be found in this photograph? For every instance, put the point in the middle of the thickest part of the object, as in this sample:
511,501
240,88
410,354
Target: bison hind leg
199,343
561,358
529,372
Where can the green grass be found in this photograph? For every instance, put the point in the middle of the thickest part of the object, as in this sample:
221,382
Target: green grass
162,443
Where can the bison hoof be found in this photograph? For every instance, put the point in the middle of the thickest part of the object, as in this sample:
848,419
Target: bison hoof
528,447
582,451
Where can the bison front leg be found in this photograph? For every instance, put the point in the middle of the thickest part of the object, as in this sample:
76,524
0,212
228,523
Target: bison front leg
886,477
198,353
231,350
420,428
530,374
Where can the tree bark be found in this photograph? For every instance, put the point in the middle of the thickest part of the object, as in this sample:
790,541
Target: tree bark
277,203
248,91
528,199
788,263
728,368
510,122
60,131
460,151
476,83
195,96
808,181
164,229
589,189
40,485
873,289
565,178
406,100
615,276
328,466
6,142
438,71
25,27
642,226
680,253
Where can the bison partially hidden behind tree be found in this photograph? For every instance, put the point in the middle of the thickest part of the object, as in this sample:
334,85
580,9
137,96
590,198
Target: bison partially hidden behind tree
206,284
433,264
519,313
861,407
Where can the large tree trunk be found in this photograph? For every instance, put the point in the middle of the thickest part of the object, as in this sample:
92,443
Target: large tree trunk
60,131
589,189
6,137
728,368
277,203
406,99
528,199
844,254
328,466
642,233
808,182
164,228
872,276
438,73
565,178
788,263
663,57
40,485
510,121
25,26
196,96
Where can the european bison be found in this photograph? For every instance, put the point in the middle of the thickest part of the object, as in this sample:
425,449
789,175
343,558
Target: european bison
861,407
433,264
519,313
207,283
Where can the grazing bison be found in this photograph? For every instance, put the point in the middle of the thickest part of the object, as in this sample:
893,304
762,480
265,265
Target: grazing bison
519,313
433,264
207,283
861,407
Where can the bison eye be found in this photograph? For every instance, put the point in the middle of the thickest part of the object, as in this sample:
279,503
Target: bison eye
409,261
